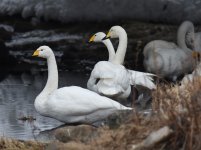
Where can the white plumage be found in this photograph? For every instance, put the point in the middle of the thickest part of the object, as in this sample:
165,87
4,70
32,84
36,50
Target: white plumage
71,104
166,58
114,78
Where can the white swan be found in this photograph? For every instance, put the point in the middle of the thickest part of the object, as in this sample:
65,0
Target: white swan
115,79
166,58
70,104
137,78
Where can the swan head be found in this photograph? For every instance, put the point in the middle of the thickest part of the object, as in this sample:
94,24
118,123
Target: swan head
43,52
190,41
114,32
98,37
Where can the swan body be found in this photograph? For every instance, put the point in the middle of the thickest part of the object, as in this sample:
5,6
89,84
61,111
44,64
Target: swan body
70,104
166,58
115,79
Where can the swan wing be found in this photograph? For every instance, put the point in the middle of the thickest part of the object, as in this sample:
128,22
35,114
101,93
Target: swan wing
141,78
154,45
75,104
100,72
118,84
79,101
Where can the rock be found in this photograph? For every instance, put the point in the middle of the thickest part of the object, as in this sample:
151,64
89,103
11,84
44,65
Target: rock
68,146
166,11
115,120
82,133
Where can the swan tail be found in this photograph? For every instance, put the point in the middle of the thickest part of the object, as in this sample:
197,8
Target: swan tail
125,108
143,79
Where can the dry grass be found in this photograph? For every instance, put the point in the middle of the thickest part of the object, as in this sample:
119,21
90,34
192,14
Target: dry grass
175,107
10,144
180,109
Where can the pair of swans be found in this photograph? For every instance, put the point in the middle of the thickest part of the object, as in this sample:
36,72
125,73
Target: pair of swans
114,78
70,104
169,60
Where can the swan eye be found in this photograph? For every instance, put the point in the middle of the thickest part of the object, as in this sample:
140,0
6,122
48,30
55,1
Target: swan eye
41,50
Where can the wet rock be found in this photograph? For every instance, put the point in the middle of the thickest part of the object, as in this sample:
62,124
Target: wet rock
115,120
66,10
68,146
82,133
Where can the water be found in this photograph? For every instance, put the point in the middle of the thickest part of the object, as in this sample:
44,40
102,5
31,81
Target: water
17,95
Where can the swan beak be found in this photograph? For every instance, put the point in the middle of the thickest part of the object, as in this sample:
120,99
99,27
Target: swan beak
92,39
107,36
195,55
36,53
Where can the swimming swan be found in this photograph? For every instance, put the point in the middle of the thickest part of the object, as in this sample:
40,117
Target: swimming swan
70,104
166,58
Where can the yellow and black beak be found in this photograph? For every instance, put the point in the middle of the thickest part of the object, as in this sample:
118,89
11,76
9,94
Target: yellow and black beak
36,53
196,55
107,36
92,39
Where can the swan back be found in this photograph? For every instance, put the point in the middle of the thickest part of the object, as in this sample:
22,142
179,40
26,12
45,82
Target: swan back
114,79
75,104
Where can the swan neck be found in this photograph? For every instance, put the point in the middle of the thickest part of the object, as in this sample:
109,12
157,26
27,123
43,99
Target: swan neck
186,27
121,50
110,49
52,81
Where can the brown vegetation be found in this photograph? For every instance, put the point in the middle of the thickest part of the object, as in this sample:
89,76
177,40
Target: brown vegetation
10,144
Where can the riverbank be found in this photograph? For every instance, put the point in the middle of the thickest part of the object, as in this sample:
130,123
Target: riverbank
173,124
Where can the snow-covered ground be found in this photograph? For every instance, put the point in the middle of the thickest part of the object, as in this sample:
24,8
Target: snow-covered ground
173,11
